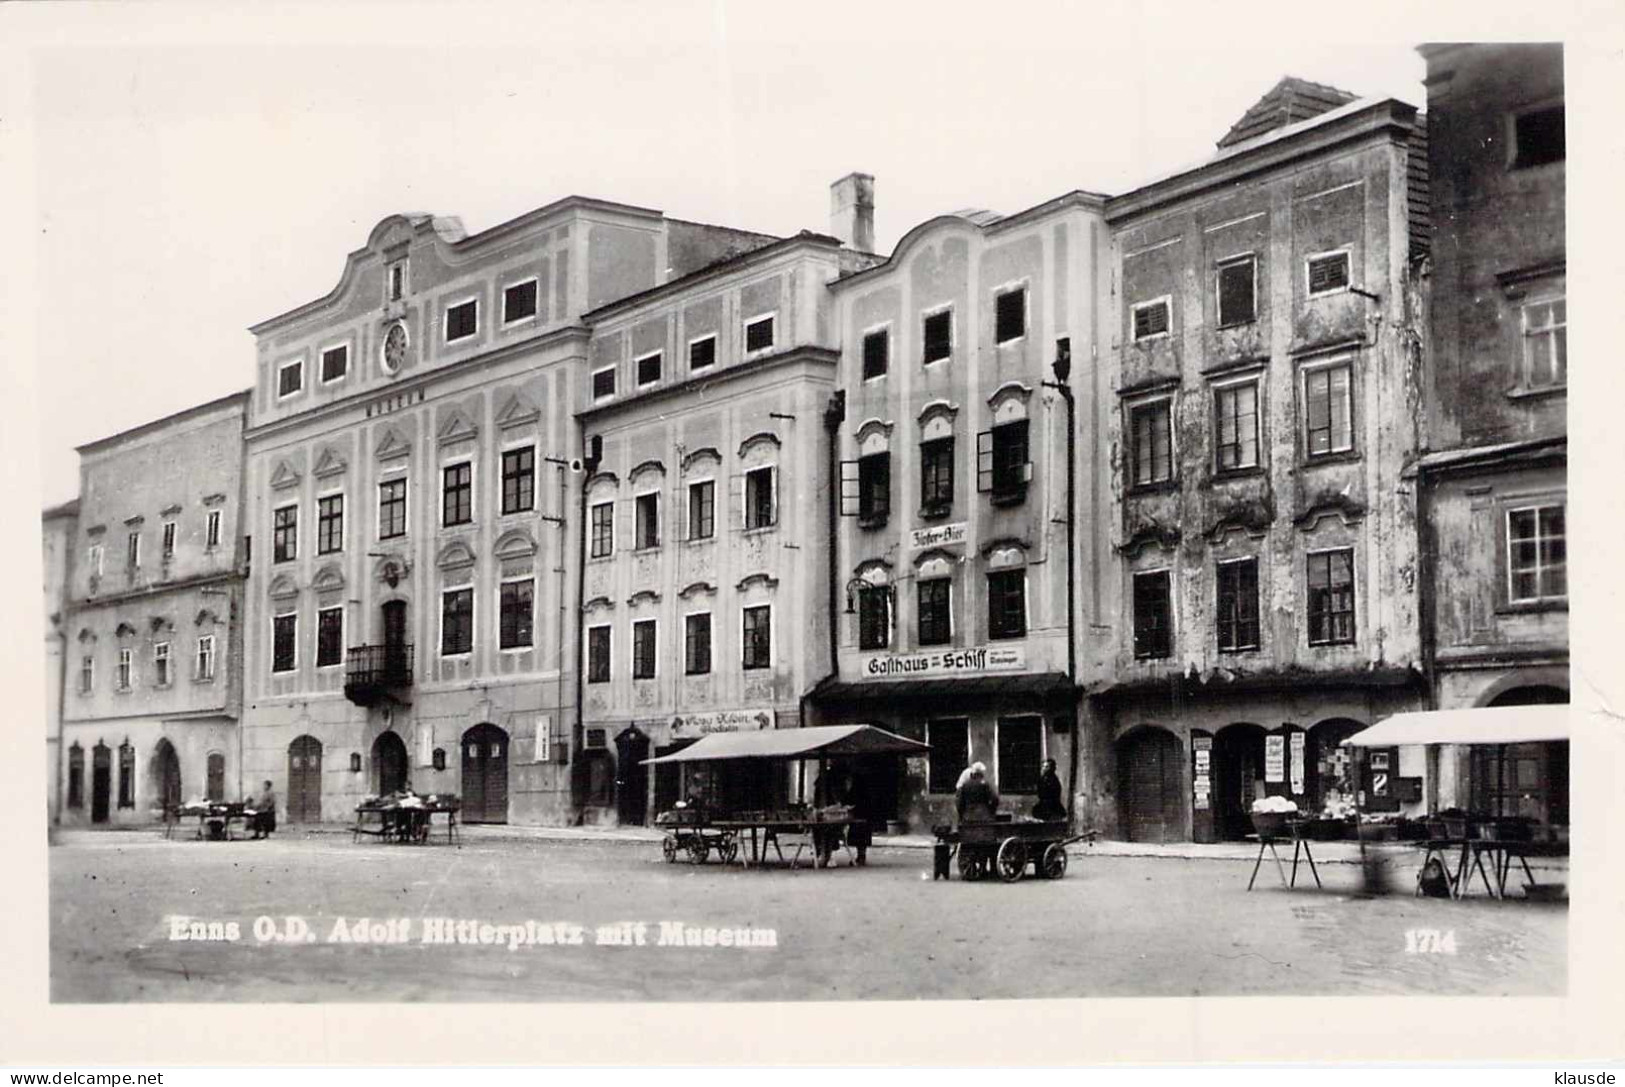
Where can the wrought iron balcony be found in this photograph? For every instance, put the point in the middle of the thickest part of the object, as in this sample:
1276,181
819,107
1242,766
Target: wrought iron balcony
372,671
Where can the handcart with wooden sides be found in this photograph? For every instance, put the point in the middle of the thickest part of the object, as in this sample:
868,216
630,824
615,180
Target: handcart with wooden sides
1008,847
688,834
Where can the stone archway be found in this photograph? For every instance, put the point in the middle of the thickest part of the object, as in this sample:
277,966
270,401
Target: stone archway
165,773
1150,785
389,763
485,775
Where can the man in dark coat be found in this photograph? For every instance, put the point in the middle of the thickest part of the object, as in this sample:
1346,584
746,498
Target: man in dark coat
1049,806
265,812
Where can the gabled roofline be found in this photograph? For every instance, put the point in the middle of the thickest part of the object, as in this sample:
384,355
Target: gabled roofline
1272,150
1080,198
737,262
417,220
101,444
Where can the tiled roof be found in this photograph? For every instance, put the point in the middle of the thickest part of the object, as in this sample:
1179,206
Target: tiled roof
1289,101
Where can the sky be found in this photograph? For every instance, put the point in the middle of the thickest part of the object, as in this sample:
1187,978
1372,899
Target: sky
197,168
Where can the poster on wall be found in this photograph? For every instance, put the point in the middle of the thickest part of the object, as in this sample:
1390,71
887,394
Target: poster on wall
1201,776
1275,758
1295,760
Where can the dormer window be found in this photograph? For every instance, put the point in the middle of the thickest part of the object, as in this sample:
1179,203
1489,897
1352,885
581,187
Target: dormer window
397,281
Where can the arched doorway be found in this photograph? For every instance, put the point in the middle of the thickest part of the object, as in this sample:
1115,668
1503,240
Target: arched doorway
305,780
1530,780
166,774
1150,785
485,775
388,763
1238,779
632,780
101,782
1329,766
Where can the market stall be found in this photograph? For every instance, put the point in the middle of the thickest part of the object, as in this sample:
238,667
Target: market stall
214,818
405,817
748,821
1462,844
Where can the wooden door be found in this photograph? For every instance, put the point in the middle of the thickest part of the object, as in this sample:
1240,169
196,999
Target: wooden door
216,776
485,775
169,776
101,782
394,641
631,778
1149,764
388,763
305,780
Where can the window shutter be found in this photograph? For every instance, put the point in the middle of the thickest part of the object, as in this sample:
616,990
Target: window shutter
849,488
984,461
773,495
883,486
736,502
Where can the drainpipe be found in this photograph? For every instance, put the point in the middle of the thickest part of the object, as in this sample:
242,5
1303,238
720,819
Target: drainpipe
578,800
834,416
559,569
1063,370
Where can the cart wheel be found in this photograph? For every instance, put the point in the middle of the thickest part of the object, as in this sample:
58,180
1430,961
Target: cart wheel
697,849
727,850
668,848
1054,863
1012,859
970,865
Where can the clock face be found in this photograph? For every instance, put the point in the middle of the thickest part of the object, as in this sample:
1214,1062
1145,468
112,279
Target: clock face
394,347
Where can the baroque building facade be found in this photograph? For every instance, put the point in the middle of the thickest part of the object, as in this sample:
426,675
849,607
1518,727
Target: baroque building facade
59,535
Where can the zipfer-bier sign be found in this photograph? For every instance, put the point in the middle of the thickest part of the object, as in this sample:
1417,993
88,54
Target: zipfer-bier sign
948,662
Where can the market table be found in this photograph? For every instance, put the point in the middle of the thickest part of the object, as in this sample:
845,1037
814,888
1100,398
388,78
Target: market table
1470,854
769,829
404,823
207,813
1300,847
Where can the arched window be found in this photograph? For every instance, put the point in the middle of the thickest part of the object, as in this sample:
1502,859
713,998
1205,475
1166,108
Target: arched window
76,776
126,775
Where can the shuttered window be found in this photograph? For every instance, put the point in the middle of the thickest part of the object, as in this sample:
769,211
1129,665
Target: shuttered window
1150,319
1329,272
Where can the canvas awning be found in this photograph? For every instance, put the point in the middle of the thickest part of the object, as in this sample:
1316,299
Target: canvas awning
818,742
1491,725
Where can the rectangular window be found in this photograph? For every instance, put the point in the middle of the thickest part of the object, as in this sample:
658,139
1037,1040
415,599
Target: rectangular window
603,383
937,474
456,622
1235,410
1328,410
335,363
1538,137
1238,605
874,616
702,510
643,649
1151,319
515,614
204,666
290,378
397,281
124,675
1007,604
1153,615
169,539
647,527
1010,315
1151,442
1238,291
462,320
936,627
132,549
1537,554
87,674
937,333
329,524
757,642
391,508
950,753
284,631
94,560
759,334
1002,466
876,353
702,353
1331,598
457,494
212,533
598,654
760,509
697,644
1546,344
1021,751
603,529
160,664
519,480
329,637
1328,272
648,369
285,534
519,302
874,488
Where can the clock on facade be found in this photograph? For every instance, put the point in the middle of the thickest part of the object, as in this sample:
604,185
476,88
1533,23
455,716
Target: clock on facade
394,350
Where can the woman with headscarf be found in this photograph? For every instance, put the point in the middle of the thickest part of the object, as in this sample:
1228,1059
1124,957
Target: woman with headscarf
976,801
1049,807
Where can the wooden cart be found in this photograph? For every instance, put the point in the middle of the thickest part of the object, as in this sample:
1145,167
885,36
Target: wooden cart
688,834
1008,848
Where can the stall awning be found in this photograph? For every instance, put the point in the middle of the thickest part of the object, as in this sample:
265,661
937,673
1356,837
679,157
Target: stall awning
1492,725
818,742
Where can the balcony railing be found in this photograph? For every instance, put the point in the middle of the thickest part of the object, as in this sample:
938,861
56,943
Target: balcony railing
372,671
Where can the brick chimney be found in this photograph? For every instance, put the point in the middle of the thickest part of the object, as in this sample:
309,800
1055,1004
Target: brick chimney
852,211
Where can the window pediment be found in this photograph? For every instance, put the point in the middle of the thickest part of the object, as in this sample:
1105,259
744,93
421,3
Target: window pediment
170,510
160,623
125,630
392,445
330,463
1349,511
135,522
698,588
937,420
1150,534
283,587
454,555
517,411
761,440
765,581
87,637
457,427
516,543
1009,402
648,467
329,578
935,563
598,603
603,483
705,452
206,617
874,571
874,436
284,477
1005,554
643,596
